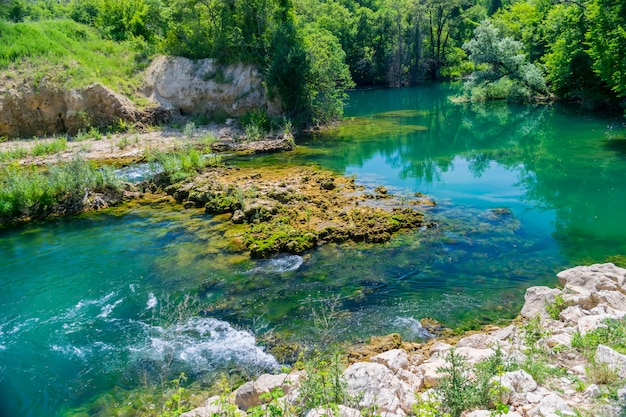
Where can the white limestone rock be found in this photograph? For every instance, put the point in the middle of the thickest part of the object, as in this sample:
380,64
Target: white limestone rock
506,333
561,339
248,395
616,361
211,407
536,299
613,299
572,314
328,412
377,386
477,341
597,277
590,323
394,359
592,391
516,384
552,404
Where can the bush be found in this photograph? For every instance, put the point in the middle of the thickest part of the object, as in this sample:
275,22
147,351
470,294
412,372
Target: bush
28,192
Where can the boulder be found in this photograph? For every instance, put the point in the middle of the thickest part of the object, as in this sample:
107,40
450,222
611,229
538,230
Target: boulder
592,391
575,295
429,369
590,323
249,394
213,406
515,385
605,309
552,404
506,333
477,341
377,386
561,339
616,361
613,299
597,277
536,299
393,359
473,356
572,314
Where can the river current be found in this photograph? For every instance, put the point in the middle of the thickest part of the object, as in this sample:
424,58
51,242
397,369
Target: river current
101,303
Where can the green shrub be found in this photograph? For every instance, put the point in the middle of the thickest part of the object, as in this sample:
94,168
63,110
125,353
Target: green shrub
31,192
612,334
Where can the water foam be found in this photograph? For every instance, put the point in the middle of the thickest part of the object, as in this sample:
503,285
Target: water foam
413,326
107,309
204,344
152,301
279,265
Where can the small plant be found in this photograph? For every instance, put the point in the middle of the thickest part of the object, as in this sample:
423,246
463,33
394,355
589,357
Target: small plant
253,132
428,408
612,334
601,373
123,142
456,390
178,401
226,407
554,308
324,385
47,148
189,131
94,133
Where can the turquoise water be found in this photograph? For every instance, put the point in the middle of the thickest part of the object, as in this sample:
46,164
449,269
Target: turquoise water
96,303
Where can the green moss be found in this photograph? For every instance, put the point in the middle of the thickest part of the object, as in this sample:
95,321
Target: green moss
222,202
266,239
371,128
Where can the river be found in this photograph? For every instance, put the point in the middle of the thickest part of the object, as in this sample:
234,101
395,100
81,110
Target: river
96,305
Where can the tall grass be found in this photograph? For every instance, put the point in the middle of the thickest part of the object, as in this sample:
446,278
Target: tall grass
68,54
182,163
40,148
29,192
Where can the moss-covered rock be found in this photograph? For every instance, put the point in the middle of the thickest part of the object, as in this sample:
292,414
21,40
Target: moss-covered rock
292,210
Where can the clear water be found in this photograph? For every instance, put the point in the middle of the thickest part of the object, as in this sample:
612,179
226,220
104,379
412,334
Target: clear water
96,303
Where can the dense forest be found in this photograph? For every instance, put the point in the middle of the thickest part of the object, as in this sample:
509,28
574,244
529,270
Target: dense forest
311,51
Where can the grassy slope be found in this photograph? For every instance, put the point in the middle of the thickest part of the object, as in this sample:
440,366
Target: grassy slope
67,54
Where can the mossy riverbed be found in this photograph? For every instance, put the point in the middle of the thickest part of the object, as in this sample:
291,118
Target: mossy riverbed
294,209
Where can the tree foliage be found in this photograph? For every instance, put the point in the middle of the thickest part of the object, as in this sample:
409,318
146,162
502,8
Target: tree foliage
504,71
579,44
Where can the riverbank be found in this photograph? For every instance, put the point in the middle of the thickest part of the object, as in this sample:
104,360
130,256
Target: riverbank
286,210
565,355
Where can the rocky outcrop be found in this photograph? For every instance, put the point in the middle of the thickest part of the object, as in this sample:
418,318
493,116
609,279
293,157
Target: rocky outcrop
204,87
395,381
174,85
47,110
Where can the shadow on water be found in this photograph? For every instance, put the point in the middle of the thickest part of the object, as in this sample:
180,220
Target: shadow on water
617,145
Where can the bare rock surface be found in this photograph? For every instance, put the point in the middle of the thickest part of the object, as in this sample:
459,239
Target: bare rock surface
203,87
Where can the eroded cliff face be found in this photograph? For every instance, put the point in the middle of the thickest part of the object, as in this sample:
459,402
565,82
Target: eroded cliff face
30,111
174,86
204,87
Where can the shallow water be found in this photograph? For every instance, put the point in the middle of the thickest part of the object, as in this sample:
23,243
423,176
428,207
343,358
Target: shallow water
97,302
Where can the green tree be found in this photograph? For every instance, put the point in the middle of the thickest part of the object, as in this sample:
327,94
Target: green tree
502,68
570,67
607,42
328,76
